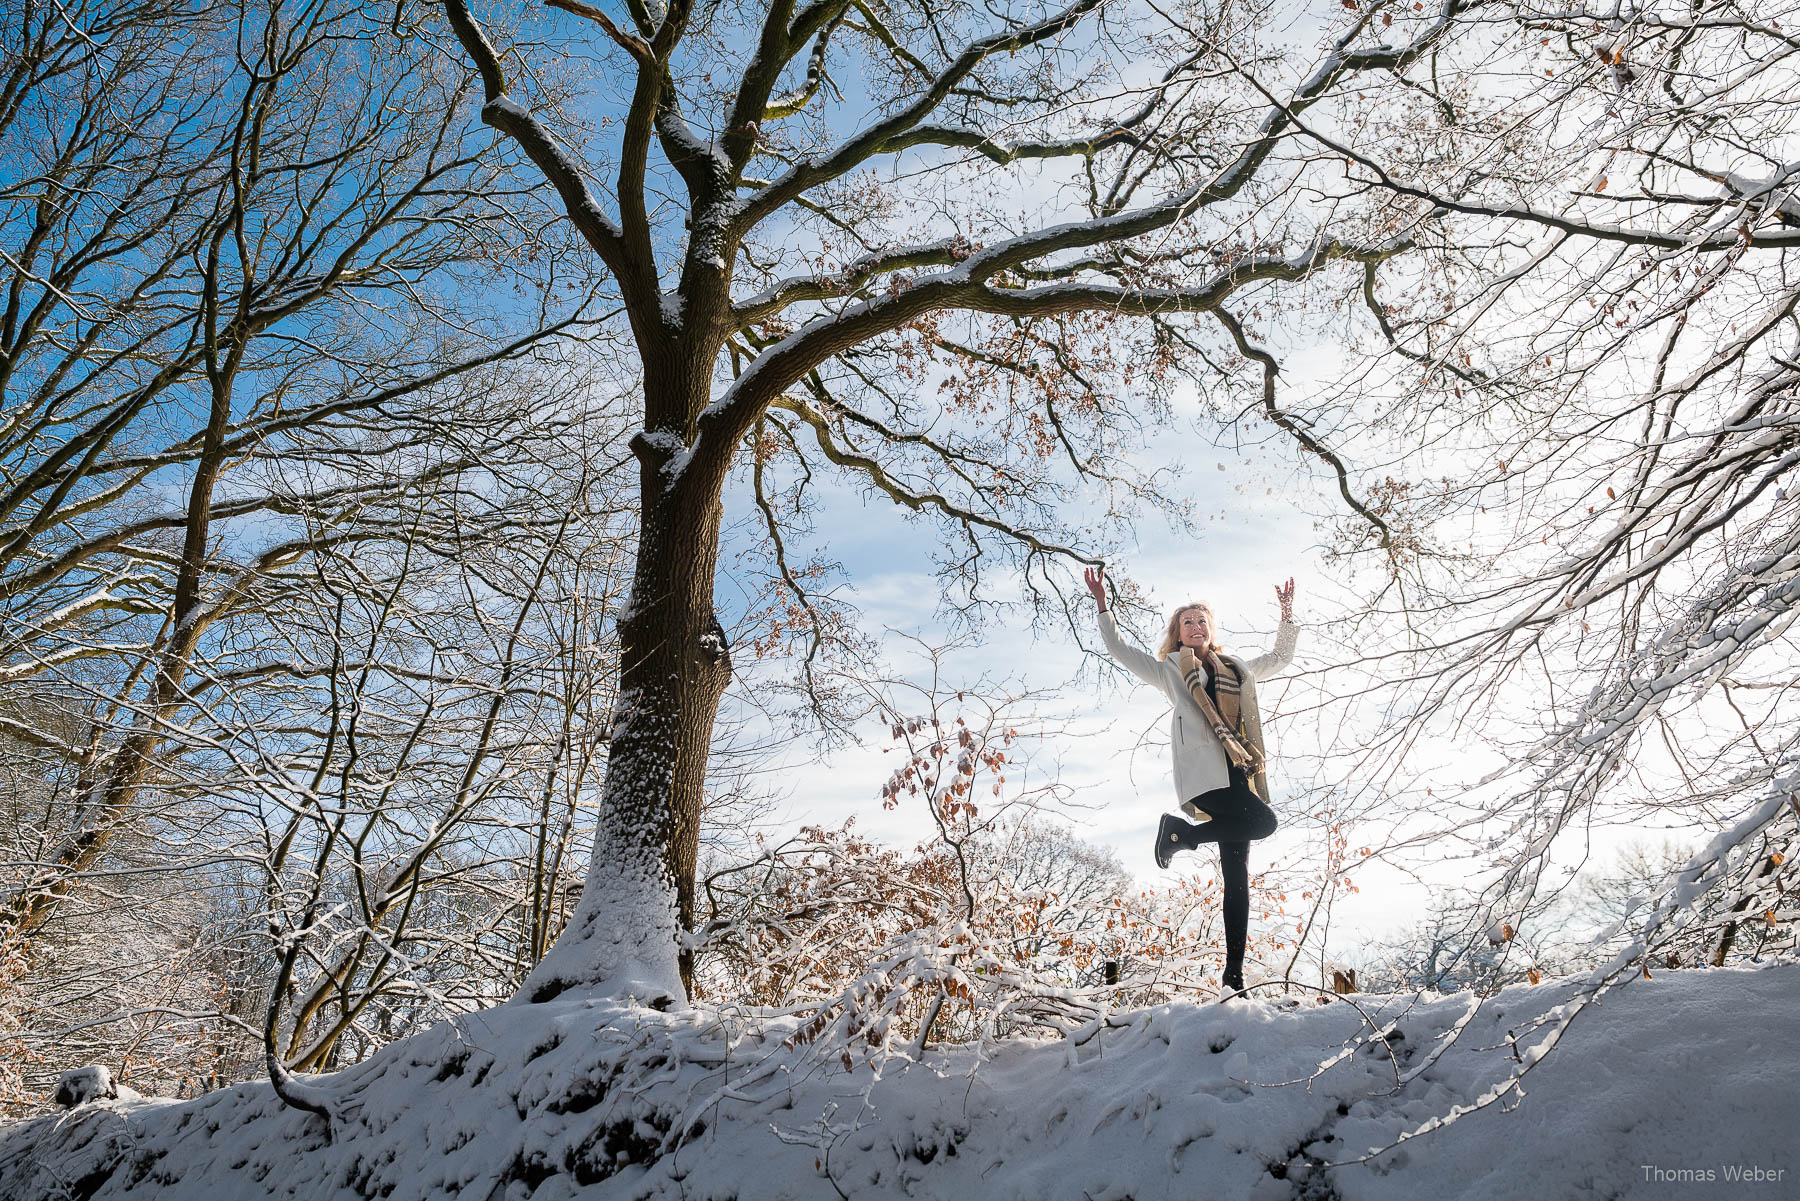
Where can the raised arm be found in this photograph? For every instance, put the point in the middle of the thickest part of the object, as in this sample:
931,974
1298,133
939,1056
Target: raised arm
1130,657
1286,638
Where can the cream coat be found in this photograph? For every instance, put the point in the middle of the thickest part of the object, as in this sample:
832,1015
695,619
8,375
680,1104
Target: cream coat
1200,763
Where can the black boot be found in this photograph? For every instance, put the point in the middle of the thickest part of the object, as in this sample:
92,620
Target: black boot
1173,834
1231,981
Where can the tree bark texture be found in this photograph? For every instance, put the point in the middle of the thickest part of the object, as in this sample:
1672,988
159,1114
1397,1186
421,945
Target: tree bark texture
626,931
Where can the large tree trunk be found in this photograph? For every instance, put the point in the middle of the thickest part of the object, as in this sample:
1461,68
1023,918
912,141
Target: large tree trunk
624,938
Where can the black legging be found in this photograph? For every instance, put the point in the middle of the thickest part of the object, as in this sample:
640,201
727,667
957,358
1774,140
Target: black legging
1238,817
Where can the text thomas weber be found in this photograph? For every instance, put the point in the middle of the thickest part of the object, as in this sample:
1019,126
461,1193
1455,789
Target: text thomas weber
1734,1173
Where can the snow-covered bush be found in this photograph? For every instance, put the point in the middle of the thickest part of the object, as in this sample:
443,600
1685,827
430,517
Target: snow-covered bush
1000,922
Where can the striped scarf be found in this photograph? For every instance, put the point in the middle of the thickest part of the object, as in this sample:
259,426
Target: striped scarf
1225,716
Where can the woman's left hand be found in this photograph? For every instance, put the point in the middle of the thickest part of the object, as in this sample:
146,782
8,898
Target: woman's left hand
1285,594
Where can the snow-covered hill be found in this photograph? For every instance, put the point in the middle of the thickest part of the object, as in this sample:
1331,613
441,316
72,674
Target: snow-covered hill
1682,1086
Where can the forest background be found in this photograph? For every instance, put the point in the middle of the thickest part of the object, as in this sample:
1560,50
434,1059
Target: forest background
331,443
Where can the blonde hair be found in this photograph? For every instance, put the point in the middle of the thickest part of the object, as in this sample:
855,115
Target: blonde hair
1172,636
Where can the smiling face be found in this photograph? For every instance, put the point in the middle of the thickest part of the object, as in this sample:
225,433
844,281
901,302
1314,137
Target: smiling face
1194,628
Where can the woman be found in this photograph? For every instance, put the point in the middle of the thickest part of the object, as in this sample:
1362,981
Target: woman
1216,735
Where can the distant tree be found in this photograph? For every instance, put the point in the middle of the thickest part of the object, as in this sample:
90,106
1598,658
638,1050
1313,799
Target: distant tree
1450,950
1609,906
1078,879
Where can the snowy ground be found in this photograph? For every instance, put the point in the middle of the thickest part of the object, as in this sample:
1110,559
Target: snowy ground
1671,1087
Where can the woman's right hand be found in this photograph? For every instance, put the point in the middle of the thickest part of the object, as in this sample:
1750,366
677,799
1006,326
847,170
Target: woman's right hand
1096,584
